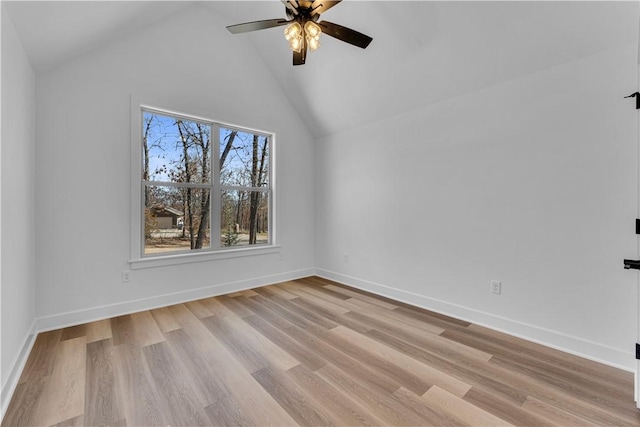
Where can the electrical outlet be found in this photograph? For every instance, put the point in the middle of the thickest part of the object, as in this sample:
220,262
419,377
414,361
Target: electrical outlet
496,287
281,256
346,258
126,276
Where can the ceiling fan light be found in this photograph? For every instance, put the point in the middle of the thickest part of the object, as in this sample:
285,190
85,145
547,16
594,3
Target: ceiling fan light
295,44
292,31
312,29
313,43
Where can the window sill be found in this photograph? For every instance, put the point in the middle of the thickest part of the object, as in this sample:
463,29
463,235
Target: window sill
186,258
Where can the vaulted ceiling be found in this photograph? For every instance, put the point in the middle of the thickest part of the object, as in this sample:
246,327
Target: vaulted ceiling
422,52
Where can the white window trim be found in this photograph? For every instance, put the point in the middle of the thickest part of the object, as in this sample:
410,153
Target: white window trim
138,260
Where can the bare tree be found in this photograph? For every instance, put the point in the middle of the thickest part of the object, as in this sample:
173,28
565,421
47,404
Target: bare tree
187,178
257,172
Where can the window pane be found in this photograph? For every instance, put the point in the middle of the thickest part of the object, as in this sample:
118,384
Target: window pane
244,159
176,219
175,149
245,218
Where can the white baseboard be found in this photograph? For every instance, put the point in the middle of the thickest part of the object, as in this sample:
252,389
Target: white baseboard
10,383
554,339
92,314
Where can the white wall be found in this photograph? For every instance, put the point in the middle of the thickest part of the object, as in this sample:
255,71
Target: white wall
530,182
83,167
18,206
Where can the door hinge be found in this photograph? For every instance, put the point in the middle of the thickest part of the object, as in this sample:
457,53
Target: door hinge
637,97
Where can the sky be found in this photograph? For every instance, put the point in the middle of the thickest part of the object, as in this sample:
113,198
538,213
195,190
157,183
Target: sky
166,150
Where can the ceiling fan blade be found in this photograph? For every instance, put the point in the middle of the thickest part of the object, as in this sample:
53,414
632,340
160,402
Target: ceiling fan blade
291,5
298,58
345,34
320,6
257,25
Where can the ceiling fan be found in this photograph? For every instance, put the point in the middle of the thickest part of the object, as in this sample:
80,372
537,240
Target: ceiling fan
303,29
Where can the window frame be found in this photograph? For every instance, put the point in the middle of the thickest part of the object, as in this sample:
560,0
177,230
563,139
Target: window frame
141,260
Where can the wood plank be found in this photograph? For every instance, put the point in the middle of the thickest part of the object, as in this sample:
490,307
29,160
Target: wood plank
426,373
554,416
250,359
253,340
310,298
42,357
299,285
322,305
249,293
406,332
587,389
330,314
179,403
137,328
289,397
431,317
25,399
363,297
234,294
459,409
401,374
381,404
232,304
227,411
416,404
301,353
369,376
311,315
392,317
514,348
216,307
98,331
257,404
73,422
122,330
284,315
141,403
165,320
478,374
101,406
207,382
567,401
63,395
297,313
199,308
505,409
298,290
146,329
438,344
261,307
337,406
279,289
74,332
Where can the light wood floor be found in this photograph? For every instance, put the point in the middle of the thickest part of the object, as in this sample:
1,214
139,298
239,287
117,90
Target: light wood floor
308,352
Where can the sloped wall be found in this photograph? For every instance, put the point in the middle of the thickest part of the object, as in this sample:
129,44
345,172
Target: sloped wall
531,182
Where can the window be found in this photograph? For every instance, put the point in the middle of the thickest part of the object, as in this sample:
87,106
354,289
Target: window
203,186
